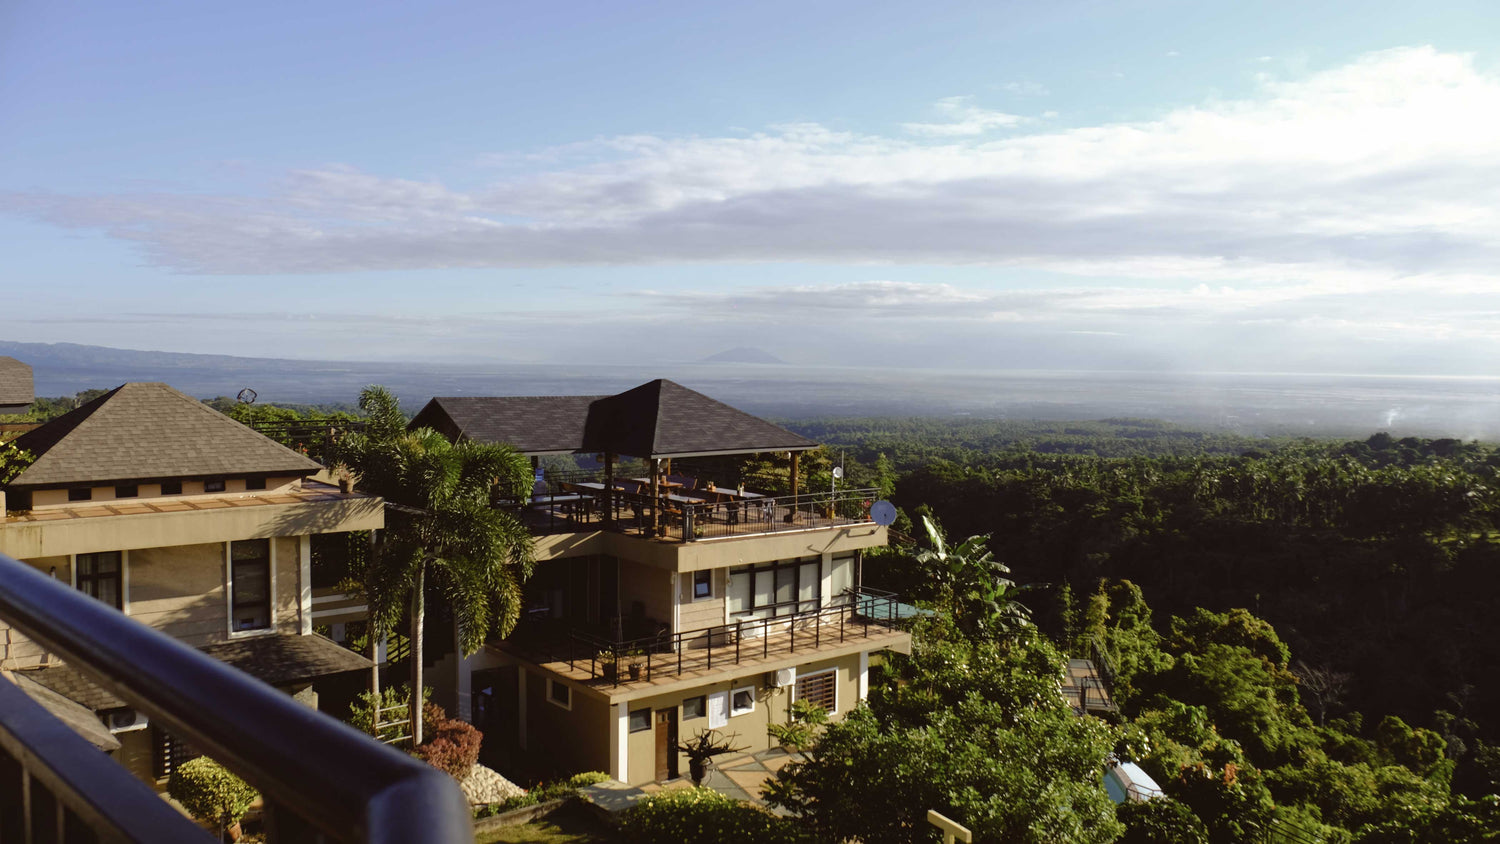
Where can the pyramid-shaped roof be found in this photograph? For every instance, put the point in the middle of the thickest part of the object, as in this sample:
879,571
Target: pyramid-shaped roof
660,418
140,431
15,384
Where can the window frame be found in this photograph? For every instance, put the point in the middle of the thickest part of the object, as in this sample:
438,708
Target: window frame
127,491
708,575
80,493
630,721
171,488
833,685
734,693
236,632
779,609
122,582
702,707
552,687
213,485
255,484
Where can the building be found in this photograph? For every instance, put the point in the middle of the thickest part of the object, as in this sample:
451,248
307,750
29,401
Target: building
664,605
188,522
15,386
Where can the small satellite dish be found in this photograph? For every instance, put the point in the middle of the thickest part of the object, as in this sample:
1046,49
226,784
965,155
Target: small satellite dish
838,472
246,396
883,512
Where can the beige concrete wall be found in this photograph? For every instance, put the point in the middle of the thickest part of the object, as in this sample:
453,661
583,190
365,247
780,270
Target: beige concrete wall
704,612
26,540
287,557
712,553
573,740
17,651
45,498
180,591
136,754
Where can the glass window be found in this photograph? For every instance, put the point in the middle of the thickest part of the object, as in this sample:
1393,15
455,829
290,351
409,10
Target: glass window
127,491
703,584
640,720
250,584
171,487
81,494
742,701
765,593
694,707
841,578
559,694
807,586
98,575
213,485
255,483
739,590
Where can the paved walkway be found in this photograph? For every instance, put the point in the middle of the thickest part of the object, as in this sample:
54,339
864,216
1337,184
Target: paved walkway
740,776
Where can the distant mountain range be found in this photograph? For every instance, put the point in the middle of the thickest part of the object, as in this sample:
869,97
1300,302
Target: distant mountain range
743,354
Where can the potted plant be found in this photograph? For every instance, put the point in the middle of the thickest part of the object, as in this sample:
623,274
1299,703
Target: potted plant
702,748
634,661
343,477
608,665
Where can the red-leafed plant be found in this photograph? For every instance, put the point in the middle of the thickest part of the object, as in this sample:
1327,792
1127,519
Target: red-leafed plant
453,745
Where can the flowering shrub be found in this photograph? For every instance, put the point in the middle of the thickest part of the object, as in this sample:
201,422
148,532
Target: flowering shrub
702,814
453,745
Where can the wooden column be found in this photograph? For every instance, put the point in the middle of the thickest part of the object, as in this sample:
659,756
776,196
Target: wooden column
655,493
791,513
609,490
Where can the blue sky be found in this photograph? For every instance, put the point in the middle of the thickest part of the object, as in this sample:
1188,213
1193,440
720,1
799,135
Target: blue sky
1155,185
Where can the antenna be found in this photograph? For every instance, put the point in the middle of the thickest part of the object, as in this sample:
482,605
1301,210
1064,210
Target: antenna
883,512
246,396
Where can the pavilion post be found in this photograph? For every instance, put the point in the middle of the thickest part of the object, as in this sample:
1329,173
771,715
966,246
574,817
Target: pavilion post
655,492
609,490
791,512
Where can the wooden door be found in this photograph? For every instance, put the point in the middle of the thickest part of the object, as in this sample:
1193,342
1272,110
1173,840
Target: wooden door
666,744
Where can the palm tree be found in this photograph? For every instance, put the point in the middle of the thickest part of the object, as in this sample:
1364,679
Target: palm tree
441,532
972,581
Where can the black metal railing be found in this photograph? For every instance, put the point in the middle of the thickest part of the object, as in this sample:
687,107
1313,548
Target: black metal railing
320,780
786,628
690,515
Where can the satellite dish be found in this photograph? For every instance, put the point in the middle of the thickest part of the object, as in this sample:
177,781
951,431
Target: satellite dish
883,512
246,396
838,472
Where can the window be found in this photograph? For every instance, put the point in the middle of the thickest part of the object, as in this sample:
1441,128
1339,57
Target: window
213,485
559,694
781,588
171,487
255,483
694,707
250,585
81,494
819,689
127,491
169,752
640,720
703,584
98,575
742,701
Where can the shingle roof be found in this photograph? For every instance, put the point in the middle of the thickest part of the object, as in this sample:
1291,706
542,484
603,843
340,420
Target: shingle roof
15,383
71,684
658,419
146,430
78,718
287,658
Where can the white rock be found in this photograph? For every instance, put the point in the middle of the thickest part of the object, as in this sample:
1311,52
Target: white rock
483,786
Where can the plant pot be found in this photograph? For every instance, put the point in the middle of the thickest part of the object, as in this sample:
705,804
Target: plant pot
611,671
697,770
345,485
635,671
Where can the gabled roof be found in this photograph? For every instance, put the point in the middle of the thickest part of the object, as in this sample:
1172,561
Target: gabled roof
287,658
658,419
15,385
139,431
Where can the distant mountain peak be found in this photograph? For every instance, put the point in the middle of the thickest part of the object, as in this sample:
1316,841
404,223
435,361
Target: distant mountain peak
743,354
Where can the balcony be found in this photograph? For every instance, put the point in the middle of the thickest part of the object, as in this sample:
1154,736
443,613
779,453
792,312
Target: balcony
320,780
860,620
583,503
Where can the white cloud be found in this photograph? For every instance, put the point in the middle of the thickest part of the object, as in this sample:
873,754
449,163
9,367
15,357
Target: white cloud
1377,170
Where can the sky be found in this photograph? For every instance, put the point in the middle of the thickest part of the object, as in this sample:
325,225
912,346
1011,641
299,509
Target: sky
1136,185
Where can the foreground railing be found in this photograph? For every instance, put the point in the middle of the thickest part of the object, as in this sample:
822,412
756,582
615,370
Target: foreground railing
791,627
691,515
321,780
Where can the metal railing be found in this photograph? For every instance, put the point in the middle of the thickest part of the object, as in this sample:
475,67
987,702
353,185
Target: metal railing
320,780
789,627
691,515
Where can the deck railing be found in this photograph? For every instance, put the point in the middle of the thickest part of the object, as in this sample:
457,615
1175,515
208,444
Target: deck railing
320,780
691,515
787,628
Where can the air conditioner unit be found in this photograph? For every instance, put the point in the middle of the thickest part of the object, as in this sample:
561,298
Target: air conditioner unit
126,721
785,677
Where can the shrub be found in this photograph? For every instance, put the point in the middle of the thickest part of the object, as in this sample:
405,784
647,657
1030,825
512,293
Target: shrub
454,744
802,731
210,792
1160,820
702,814
393,709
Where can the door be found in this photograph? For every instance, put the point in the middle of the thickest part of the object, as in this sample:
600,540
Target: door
666,744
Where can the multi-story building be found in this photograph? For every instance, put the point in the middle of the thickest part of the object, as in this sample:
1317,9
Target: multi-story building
664,605
188,522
